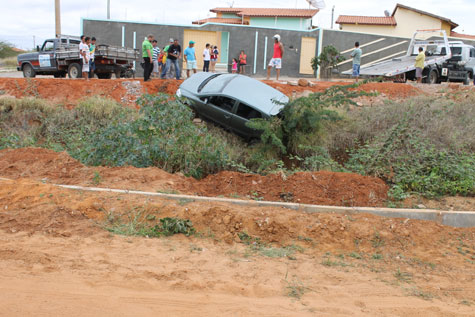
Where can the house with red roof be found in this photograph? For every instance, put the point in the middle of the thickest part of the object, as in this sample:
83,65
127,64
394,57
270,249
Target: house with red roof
403,22
277,18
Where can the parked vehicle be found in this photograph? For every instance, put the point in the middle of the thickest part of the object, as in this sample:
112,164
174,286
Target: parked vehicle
445,61
460,67
231,100
60,56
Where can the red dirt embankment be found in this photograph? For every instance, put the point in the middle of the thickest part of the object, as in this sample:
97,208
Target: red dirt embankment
70,91
325,188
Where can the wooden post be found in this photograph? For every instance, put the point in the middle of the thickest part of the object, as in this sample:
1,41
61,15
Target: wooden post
57,11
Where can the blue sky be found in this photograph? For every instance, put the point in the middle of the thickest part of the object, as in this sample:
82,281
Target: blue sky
37,17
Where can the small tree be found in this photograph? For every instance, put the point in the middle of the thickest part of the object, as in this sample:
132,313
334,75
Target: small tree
327,60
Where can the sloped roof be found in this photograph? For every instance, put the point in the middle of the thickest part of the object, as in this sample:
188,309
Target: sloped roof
460,35
356,19
453,24
220,20
269,12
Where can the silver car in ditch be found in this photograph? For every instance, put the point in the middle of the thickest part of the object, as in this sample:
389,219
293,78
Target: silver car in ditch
231,100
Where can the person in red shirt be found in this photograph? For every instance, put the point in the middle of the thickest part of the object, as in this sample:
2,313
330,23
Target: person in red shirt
276,60
242,62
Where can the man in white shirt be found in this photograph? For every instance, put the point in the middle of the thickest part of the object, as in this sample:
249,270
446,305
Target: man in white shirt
206,58
84,51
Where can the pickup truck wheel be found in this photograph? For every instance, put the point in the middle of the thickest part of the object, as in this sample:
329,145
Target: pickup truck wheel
433,77
466,80
28,71
74,70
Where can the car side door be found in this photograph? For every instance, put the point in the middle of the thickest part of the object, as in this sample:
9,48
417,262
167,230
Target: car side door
242,114
219,109
46,56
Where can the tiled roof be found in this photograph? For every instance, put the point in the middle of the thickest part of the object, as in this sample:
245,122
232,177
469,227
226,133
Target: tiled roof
355,19
269,12
460,35
220,20
453,24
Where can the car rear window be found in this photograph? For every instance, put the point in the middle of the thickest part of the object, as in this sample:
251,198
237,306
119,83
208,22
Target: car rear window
247,112
206,81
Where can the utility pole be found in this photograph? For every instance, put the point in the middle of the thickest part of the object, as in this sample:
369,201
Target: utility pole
57,11
108,9
34,43
333,11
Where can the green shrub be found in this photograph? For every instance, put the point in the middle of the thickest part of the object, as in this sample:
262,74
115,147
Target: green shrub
163,136
404,158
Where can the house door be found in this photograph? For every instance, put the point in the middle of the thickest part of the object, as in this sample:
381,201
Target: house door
307,52
200,38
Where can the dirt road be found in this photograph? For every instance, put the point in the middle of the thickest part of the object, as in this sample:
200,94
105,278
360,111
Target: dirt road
56,258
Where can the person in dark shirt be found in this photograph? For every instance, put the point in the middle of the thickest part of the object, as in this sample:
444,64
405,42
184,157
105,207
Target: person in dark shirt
174,54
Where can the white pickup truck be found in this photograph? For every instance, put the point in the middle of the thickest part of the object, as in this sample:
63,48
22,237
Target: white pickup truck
445,61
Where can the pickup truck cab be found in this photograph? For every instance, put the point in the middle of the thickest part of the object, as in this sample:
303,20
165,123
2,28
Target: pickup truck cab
60,57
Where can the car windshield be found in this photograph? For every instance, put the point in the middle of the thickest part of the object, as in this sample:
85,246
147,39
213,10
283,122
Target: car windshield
206,81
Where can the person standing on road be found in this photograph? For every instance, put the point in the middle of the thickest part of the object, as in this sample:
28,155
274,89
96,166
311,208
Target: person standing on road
420,59
82,50
85,58
174,54
155,54
242,62
356,54
214,58
92,51
190,58
276,60
147,49
206,58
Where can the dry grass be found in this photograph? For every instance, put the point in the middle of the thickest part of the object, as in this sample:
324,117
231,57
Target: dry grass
447,123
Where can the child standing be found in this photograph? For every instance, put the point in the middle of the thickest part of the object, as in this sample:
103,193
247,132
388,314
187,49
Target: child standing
234,66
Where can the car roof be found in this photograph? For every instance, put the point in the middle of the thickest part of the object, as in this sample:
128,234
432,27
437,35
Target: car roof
247,90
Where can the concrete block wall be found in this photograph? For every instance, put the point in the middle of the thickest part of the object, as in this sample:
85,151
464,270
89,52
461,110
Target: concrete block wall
375,47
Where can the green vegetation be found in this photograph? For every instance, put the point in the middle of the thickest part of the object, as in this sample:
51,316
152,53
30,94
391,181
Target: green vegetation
7,50
137,223
327,60
423,145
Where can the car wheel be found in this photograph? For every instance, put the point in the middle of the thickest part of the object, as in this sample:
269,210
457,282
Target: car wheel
28,71
74,70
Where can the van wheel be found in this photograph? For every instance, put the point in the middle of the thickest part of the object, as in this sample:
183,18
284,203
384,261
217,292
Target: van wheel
28,71
433,77
74,70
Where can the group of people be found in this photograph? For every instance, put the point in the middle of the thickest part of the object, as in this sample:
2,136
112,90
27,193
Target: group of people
158,63
87,49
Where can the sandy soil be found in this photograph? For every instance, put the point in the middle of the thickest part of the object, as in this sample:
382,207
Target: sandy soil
55,258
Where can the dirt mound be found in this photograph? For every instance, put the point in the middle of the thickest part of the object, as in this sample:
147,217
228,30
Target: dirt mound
321,188
392,90
69,92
